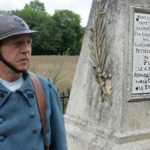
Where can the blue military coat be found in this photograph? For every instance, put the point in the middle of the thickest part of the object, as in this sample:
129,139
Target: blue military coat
20,125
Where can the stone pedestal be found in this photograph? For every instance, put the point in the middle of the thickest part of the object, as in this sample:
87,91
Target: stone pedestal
109,106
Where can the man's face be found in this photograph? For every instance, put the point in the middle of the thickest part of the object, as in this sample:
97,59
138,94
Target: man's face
17,51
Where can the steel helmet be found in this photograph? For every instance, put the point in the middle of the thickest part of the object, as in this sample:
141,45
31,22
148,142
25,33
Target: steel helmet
11,25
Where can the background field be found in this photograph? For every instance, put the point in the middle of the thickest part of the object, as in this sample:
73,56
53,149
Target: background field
60,69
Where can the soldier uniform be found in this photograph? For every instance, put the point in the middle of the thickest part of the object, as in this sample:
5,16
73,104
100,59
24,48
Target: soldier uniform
20,124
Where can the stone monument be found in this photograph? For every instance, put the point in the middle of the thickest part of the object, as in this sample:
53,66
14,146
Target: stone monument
109,106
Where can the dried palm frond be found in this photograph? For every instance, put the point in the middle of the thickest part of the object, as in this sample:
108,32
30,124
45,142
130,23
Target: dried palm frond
98,47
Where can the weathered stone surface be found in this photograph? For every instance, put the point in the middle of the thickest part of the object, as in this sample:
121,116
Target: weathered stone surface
121,122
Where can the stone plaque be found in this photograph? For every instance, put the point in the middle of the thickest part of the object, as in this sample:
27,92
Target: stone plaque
141,53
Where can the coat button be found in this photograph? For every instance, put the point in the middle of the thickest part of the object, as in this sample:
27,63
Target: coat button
34,131
32,115
30,95
2,95
2,138
1,120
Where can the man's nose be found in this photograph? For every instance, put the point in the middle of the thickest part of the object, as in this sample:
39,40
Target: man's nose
26,47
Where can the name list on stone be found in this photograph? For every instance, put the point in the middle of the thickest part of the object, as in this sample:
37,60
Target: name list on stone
141,54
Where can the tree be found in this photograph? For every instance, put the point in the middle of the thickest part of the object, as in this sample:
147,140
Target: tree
35,6
2,11
70,30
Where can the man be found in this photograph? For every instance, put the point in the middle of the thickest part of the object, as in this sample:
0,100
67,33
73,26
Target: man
20,122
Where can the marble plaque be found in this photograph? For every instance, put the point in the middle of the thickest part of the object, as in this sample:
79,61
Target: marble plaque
141,53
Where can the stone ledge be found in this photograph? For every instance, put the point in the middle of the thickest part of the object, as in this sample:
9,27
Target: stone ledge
77,125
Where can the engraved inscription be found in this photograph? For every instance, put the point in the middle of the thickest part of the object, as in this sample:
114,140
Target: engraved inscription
141,54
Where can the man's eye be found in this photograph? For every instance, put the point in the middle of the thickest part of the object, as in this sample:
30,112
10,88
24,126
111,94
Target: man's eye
18,43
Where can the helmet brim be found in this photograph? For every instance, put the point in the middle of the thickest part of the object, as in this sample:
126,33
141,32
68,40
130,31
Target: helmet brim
31,32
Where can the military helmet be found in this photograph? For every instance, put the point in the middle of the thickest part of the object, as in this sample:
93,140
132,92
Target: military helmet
11,25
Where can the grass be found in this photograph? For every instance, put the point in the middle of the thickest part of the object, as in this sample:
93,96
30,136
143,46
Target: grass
60,69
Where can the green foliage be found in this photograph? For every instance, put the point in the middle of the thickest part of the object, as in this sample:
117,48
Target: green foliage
36,6
2,11
58,34
70,30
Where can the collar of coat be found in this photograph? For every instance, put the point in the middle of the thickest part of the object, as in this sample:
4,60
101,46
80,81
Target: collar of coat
26,90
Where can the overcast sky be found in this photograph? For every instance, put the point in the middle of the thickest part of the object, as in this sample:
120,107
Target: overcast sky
81,7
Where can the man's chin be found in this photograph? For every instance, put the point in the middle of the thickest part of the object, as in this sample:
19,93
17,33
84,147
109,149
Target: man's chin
21,70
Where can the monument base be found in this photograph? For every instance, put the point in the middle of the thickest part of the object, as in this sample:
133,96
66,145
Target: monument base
82,135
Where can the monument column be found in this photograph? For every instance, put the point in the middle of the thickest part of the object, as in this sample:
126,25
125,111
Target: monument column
109,106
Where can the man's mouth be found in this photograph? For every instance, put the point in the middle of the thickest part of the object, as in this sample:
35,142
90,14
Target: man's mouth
25,60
